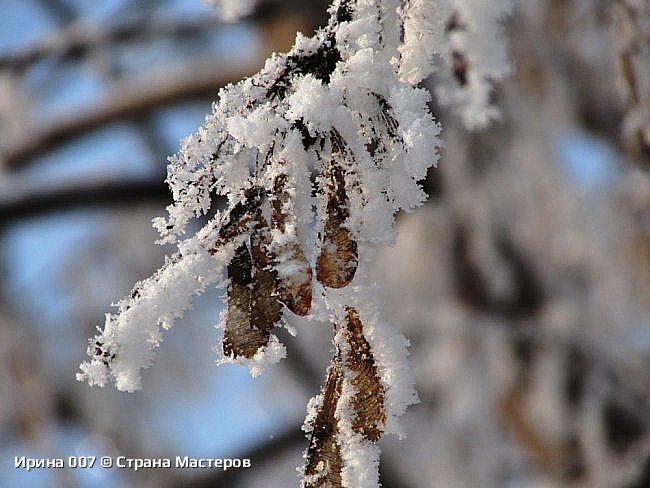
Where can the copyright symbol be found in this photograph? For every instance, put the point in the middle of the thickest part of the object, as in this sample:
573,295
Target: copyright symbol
106,462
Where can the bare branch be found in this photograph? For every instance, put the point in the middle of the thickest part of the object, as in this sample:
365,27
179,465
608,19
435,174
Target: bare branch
60,10
79,38
112,194
128,100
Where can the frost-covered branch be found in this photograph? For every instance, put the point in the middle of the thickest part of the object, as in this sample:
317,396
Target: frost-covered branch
315,155
466,37
372,144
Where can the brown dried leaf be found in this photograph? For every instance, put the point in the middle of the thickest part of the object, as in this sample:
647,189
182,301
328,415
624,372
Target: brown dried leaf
368,402
323,463
337,262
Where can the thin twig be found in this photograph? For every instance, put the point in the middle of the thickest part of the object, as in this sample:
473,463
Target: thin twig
79,38
105,194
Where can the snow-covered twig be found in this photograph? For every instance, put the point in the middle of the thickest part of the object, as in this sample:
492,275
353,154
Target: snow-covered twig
344,106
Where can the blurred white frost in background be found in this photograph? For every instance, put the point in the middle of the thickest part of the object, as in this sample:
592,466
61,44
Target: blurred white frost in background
232,10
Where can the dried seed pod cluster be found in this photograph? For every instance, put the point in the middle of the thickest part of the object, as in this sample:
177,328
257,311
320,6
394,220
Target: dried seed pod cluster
314,154
352,370
269,268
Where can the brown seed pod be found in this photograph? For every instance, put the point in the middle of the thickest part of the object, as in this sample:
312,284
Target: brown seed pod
278,200
241,337
323,462
368,402
241,216
253,305
294,290
392,126
266,310
338,259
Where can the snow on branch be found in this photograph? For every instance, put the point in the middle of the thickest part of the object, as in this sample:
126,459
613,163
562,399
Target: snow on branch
315,155
127,343
335,105
467,37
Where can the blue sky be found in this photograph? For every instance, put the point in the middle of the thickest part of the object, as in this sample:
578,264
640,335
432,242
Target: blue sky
589,162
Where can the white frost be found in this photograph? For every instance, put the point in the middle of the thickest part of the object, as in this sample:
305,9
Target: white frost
232,10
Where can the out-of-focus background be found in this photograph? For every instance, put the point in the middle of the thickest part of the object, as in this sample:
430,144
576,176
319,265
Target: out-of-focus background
523,284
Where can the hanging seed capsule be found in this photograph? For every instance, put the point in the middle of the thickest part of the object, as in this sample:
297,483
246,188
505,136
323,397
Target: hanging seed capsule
241,336
266,310
338,259
294,288
323,462
368,402
240,216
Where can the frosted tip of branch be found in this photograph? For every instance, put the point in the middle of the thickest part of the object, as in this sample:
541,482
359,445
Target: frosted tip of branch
94,372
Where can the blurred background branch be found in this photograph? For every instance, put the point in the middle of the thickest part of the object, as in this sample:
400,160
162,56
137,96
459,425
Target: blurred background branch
126,102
